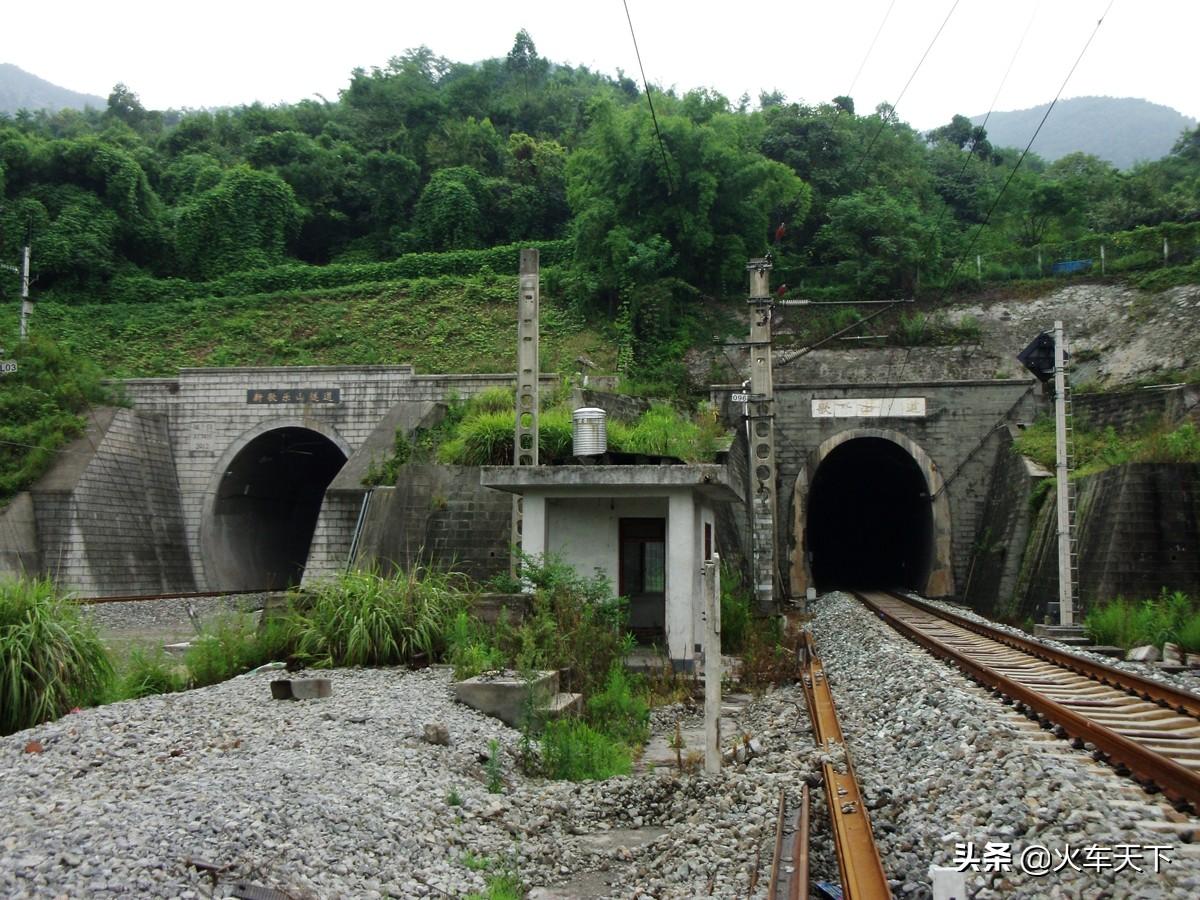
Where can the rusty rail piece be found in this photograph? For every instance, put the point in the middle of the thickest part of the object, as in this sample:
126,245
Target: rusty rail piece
193,595
1158,747
860,867
1182,701
791,885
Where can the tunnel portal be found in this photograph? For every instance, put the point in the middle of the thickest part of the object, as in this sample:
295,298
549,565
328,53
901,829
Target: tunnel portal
870,522
266,509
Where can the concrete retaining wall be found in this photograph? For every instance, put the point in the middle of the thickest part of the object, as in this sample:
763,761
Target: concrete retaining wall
438,514
1138,531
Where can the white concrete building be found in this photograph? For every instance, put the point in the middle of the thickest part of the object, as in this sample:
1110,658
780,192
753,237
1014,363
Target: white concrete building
647,528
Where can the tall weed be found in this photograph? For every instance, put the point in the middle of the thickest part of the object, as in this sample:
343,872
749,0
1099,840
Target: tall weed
363,618
51,659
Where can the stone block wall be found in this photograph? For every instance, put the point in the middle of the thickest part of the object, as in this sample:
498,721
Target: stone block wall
438,514
1124,410
960,434
109,520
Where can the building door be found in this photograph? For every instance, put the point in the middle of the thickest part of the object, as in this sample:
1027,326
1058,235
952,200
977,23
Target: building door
643,566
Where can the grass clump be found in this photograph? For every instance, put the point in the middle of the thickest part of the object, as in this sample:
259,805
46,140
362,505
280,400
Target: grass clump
1098,449
51,659
227,646
573,750
150,673
363,618
620,710
1171,616
469,648
480,432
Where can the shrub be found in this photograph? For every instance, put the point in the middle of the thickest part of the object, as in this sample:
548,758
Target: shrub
1122,623
469,648
736,602
620,709
226,647
149,674
51,659
574,751
362,618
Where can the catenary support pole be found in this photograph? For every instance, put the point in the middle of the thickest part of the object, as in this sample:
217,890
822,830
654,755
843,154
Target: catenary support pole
712,665
525,437
1066,612
762,436
26,303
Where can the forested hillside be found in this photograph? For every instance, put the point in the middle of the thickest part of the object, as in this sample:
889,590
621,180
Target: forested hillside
1122,130
420,166
24,90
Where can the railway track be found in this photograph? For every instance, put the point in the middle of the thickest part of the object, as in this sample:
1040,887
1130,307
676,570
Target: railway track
1143,728
193,595
859,866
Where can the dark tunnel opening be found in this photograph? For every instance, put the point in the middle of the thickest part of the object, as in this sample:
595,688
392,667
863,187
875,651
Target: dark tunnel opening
870,520
266,509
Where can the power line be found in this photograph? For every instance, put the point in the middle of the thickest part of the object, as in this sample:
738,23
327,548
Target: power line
861,65
1012,174
886,119
645,84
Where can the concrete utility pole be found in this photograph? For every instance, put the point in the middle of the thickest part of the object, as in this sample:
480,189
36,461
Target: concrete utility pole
26,303
762,434
1062,471
525,439
712,666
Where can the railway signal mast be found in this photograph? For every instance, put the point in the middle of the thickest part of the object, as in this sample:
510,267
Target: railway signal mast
1046,357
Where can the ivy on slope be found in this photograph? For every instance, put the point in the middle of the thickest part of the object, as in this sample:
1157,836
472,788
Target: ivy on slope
448,324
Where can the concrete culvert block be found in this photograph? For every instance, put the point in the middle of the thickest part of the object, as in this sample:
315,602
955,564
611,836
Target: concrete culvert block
301,688
1146,653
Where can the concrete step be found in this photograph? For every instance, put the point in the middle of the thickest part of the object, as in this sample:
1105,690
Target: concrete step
562,704
1108,650
1058,632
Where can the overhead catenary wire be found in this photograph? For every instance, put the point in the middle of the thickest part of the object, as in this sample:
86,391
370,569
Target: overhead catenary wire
1011,175
870,49
650,101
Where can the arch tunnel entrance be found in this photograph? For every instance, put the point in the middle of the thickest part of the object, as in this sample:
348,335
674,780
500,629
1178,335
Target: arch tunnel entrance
266,509
870,521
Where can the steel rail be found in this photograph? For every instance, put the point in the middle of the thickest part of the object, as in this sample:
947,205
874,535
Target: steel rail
791,885
860,867
1183,701
192,595
1179,783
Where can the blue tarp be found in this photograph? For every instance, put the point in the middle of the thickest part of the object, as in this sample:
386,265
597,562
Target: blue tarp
1067,266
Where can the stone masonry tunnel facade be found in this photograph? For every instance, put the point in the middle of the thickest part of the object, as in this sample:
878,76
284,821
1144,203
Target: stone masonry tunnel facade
919,455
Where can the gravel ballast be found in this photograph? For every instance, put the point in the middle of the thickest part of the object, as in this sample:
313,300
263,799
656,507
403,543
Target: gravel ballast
942,762
341,797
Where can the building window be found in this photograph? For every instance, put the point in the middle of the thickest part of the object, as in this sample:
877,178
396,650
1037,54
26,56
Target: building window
643,557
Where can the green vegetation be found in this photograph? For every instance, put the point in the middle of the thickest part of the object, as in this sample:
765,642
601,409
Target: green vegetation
1099,449
495,784
480,432
149,673
449,324
1172,616
573,750
502,886
230,645
382,226
41,409
51,660
363,618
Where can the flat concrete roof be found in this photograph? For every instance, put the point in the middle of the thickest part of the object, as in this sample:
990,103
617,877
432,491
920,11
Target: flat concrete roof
708,480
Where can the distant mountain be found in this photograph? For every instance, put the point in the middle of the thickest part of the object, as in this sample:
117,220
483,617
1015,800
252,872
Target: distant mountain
1122,130
21,90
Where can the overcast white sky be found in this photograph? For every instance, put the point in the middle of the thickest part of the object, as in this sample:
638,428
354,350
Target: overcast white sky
183,53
